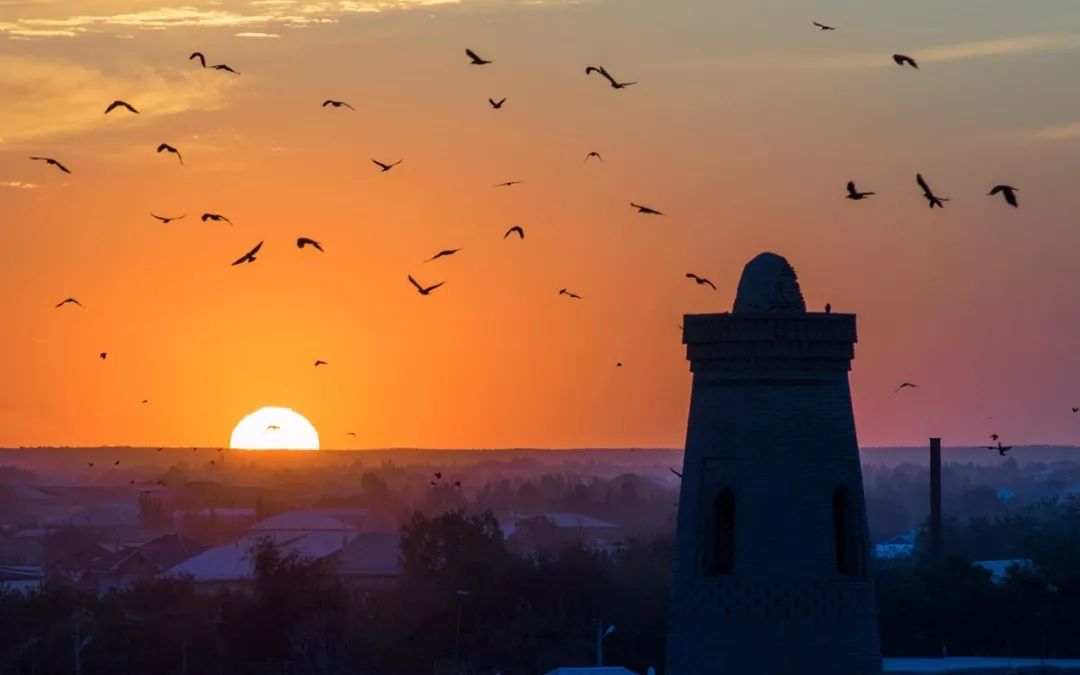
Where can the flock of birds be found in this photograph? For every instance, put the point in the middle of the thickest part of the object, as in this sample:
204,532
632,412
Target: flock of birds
1007,192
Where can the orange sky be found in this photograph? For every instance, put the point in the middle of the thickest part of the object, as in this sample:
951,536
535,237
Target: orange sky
744,129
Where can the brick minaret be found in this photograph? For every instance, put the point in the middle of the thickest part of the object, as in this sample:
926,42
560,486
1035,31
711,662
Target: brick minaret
771,565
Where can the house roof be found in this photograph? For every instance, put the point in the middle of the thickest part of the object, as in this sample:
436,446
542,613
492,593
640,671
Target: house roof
306,520
577,521
371,554
999,569
165,552
233,561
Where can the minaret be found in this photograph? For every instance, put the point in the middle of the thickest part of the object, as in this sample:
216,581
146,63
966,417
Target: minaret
770,570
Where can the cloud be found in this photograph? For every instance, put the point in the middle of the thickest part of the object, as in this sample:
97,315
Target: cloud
49,98
1060,132
965,51
256,35
18,185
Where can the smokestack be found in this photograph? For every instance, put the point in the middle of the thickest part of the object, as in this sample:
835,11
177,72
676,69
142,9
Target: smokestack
935,499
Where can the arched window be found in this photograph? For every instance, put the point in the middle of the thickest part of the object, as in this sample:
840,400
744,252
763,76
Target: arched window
847,534
721,559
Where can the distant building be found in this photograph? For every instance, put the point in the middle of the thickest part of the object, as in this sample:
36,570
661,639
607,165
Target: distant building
370,559
21,578
772,545
900,546
313,520
555,529
130,565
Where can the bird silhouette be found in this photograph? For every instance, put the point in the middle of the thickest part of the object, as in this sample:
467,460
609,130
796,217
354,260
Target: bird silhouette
320,362
433,483
69,301
443,253
457,483
1076,410
497,104
167,219
646,210
1001,449
475,58
508,183
906,385
438,475
304,241
701,281
593,154
159,449
1006,191
146,400
351,433
615,84
823,26
199,56
337,104
120,104
854,194
567,293
222,66
386,167
90,464
931,198
53,162
422,289
165,147
618,364
103,355
675,472
515,230
248,257
993,437
116,463
216,217
900,60
273,427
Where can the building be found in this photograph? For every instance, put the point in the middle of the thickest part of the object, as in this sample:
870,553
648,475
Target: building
557,529
21,579
132,564
772,544
370,559
900,546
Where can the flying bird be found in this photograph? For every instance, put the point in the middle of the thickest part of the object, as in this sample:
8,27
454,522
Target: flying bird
1001,449
854,194
304,241
165,147
497,104
120,104
701,281
457,483
103,355
386,167
145,400
216,217
618,364
273,427
168,219
993,437
90,464
53,162
199,56
1008,192
422,289
69,301
593,154
508,183
900,60
116,463
248,257
823,26
351,433
905,385
337,104
438,475
933,199
222,66
572,296
320,362
476,60
443,253
1076,410
646,210
615,84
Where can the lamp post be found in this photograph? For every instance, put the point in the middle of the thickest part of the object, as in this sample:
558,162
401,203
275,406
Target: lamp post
601,634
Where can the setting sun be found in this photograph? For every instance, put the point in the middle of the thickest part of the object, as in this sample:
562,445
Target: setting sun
273,428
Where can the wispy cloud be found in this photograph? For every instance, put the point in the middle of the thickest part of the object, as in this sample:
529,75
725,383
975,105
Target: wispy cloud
965,51
256,35
1060,132
18,185
54,98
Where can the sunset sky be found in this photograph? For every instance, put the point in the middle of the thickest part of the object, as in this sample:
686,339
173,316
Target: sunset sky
744,128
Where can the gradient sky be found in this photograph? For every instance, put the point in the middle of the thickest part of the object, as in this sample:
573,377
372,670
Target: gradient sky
745,126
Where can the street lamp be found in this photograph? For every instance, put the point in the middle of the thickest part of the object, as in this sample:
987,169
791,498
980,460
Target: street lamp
600,635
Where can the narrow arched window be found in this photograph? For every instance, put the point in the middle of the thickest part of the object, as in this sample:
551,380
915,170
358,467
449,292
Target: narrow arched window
847,534
722,548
